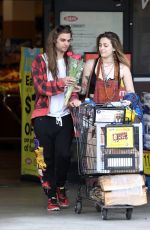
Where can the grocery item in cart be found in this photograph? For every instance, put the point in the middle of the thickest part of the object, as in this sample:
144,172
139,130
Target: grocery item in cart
123,181
122,189
90,158
109,114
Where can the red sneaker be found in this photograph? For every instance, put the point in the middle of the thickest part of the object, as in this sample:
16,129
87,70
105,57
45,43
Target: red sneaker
53,204
46,185
62,198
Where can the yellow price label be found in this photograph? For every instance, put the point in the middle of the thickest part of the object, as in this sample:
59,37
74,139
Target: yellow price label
146,163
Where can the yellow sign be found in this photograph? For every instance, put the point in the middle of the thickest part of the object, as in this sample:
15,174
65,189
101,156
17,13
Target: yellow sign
28,162
119,137
146,162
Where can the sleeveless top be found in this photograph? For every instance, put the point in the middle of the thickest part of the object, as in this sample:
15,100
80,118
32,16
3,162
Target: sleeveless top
106,90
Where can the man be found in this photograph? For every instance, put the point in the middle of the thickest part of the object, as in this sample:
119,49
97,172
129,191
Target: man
53,125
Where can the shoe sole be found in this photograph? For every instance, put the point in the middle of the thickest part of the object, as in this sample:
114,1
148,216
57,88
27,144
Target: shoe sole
63,206
54,209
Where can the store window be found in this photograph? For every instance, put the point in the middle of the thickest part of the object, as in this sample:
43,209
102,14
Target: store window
141,37
15,15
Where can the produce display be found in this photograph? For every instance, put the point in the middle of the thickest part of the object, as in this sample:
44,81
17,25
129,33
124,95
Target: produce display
9,80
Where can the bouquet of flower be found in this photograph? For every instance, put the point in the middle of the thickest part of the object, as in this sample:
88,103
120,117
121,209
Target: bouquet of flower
75,67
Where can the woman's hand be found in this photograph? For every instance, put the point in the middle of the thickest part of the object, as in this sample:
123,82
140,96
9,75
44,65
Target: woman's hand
75,103
126,102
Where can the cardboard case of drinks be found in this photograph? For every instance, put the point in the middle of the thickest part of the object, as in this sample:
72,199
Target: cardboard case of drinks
127,189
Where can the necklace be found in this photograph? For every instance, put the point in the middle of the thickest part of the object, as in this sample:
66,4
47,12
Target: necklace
110,98
107,64
107,84
109,70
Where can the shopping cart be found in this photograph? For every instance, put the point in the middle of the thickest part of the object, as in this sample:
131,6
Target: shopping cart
106,145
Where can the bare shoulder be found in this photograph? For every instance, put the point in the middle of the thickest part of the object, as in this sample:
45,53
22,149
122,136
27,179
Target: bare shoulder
88,67
125,68
89,64
127,78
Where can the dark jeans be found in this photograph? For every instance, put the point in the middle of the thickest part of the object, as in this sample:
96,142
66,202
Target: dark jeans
56,141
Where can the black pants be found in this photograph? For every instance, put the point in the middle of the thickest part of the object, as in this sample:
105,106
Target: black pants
56,141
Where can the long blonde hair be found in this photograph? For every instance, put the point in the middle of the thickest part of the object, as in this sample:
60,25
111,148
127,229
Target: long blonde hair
116,44
51,47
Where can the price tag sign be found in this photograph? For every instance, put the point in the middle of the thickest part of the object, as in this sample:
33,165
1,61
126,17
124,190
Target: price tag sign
119,137
146,162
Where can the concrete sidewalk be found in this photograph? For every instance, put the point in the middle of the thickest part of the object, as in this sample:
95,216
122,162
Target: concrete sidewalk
23,207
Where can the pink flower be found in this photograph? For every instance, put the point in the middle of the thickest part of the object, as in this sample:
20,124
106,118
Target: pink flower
76,56
69,54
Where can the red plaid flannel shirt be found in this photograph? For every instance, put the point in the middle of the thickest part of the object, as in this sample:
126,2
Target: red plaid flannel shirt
44,88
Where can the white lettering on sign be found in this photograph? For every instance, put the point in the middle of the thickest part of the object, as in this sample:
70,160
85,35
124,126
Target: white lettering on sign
144,3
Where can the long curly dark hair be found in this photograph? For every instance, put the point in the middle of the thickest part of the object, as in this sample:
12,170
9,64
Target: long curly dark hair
51,47
116,44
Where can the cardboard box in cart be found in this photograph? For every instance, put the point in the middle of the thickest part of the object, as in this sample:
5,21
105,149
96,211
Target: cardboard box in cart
128,189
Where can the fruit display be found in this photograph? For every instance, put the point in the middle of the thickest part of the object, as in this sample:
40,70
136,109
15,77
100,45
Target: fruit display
9,80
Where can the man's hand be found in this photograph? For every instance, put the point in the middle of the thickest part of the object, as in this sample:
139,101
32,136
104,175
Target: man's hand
77,89
68,81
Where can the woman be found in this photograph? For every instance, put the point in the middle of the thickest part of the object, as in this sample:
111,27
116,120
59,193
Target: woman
102,77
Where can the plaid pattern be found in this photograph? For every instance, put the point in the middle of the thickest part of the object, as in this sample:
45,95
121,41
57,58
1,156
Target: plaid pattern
44,88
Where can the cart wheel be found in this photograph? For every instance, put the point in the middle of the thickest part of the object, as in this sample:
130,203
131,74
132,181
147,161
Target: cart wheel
98,207
129,213
78,207
104,214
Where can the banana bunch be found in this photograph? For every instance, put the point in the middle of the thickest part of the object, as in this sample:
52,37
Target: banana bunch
40,159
